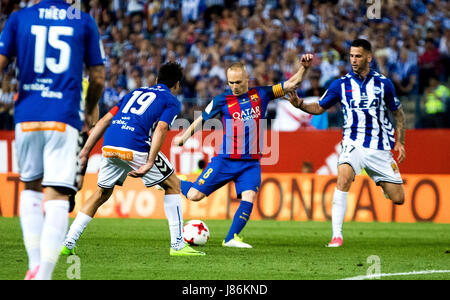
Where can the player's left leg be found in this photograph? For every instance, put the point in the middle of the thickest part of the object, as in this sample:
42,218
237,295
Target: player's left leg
53,230
163,174
393,191
113,171
383,169
174,214
240,219
247,185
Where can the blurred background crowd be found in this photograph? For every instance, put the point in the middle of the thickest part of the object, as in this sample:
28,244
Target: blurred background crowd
410,41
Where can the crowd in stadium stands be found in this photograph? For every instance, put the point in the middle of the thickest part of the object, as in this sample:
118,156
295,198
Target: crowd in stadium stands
410,41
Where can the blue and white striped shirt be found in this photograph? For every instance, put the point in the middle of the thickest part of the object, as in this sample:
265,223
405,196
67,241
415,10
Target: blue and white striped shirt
364,103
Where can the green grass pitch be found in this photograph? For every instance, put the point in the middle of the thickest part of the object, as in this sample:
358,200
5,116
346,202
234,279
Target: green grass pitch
283,250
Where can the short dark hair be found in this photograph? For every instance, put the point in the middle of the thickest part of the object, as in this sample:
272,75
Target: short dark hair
170,73
365,44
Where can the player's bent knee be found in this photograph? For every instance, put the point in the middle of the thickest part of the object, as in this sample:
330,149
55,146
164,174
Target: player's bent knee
195,195
398,200
103,194
57,193
34,185
171,185
344,183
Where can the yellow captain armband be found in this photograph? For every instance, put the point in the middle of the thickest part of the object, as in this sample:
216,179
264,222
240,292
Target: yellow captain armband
278,90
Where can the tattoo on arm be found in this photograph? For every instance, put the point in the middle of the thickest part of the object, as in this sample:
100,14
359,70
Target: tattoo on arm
399,117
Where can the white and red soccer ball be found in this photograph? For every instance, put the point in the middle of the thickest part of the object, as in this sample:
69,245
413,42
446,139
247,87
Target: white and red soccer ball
195,232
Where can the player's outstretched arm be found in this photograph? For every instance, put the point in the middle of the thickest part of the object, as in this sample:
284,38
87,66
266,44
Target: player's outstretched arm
159,135
312,108
293,83
399,117
94,93
196,125
94,136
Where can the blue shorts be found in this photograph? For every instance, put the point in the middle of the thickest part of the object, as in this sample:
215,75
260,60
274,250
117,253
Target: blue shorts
246,175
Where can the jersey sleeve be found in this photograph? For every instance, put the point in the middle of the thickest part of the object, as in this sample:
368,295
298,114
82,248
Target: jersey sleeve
390,96
95,54
332,95
7,37
214,107
271,92
171,112
119,103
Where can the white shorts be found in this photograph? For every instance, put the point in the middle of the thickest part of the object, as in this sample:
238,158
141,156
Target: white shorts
379,164
48,150
117,162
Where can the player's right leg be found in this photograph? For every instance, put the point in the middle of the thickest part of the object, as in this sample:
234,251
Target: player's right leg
174,214
349,164
84,216
346,175
216,174
190,192
163,174
29,148
60,149
31,221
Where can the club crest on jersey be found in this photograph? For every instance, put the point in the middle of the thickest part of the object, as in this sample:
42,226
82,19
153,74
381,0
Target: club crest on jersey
377,90
394,167
254,98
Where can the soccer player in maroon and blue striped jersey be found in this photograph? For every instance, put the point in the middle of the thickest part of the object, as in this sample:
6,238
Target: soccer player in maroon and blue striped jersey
242,110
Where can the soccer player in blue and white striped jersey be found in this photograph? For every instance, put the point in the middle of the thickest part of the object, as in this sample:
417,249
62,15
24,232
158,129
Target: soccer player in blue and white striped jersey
369,135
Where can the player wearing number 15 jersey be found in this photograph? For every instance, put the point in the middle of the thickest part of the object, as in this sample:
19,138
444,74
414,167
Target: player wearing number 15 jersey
52,41
135,131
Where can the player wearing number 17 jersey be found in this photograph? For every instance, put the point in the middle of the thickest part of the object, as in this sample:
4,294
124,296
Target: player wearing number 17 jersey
135,131
242,110
52,42
368,137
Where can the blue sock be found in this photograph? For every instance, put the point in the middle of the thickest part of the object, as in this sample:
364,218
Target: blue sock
240,218
185,187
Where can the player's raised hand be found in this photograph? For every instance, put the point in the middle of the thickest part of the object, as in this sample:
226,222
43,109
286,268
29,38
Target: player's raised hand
141,171
294,99
306,60
178,141
400,148
90,119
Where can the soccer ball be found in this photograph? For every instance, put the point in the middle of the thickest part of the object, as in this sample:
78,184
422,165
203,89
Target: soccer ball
195,232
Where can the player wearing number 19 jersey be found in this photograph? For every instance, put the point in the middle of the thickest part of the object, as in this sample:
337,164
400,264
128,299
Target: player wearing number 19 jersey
242,110
135,131
52,41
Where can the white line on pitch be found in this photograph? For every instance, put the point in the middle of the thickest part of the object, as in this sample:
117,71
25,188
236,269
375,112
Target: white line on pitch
376,276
